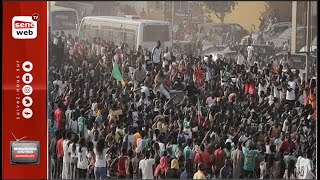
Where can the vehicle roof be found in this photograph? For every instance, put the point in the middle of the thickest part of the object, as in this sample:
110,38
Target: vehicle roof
60,8
124,20
295,54
281,23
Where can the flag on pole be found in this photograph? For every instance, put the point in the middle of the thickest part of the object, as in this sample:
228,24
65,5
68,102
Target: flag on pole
199,114
117,74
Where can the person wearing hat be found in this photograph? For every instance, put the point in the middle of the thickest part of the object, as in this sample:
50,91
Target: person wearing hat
200,173
249,155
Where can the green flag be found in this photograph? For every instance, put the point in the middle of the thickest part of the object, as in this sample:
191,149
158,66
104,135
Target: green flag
117,74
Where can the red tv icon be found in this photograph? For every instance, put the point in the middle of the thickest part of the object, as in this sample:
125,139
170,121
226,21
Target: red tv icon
23,24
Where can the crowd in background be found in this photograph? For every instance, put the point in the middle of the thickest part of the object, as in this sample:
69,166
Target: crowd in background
237,119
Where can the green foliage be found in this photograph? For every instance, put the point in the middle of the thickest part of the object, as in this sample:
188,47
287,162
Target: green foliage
220,8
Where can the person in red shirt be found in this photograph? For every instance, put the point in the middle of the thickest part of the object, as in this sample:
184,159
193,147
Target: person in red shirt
198,76
203,157
121,165
58,117
59,150
219,158
287,144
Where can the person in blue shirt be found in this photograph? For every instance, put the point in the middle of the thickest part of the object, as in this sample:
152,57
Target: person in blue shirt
187,173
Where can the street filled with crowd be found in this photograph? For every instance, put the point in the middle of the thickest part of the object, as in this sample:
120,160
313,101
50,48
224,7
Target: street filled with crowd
113,113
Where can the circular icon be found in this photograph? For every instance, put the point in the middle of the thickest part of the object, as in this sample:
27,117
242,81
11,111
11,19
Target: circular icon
27,113
35,17
27,101
27,90
27,66
27,78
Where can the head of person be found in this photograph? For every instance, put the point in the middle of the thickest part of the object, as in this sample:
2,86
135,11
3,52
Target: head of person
201,167
158,44
100,145
175,164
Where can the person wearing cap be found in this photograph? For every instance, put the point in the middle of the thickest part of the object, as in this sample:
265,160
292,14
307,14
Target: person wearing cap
249,155
200,173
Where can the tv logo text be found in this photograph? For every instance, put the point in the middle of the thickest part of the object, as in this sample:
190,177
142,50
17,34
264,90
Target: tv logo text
24,27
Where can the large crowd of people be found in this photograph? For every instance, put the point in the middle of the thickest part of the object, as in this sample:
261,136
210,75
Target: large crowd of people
237,119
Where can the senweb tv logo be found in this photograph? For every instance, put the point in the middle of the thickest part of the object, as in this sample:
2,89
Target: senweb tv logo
24,27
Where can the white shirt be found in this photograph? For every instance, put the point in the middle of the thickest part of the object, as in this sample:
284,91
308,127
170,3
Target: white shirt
209,101
156,54
291,94
73,154
304,167
83,162
145,89
101,159
146,167
66,157
240,59
130,141
250,52
74,126
139,145
135,117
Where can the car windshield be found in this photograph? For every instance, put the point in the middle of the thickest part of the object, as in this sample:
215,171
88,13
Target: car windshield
298,62
314,42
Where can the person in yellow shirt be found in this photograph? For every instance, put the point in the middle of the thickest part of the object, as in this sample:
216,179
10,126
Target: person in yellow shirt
200,173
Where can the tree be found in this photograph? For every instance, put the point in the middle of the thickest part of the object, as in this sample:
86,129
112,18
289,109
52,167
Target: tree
220,8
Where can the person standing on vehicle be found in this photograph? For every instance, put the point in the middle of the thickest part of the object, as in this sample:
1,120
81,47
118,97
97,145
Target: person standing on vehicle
157,54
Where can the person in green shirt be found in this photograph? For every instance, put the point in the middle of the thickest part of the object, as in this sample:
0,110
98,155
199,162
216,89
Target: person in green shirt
187,151
249,155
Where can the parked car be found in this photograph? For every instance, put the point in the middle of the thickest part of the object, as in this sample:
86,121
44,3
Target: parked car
286,37
264,51
298,62
313,47
275,30
224,28
213,49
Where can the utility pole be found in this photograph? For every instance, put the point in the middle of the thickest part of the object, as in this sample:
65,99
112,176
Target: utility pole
294,27
172,17
308,39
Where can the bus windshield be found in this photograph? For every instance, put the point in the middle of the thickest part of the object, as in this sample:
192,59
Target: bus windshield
64,20
156,32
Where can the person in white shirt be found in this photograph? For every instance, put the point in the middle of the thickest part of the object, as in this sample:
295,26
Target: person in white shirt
166,58
146,167
66,156
100,166
290,95
210,100
157,54
240,58
83,163
145,89
72,151
250,53
304,166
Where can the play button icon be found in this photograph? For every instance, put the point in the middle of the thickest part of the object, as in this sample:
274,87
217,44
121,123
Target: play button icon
27,101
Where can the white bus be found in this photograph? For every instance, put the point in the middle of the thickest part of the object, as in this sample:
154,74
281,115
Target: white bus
63,19
131,30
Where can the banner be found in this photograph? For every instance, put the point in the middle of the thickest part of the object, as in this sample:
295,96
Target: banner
24,83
